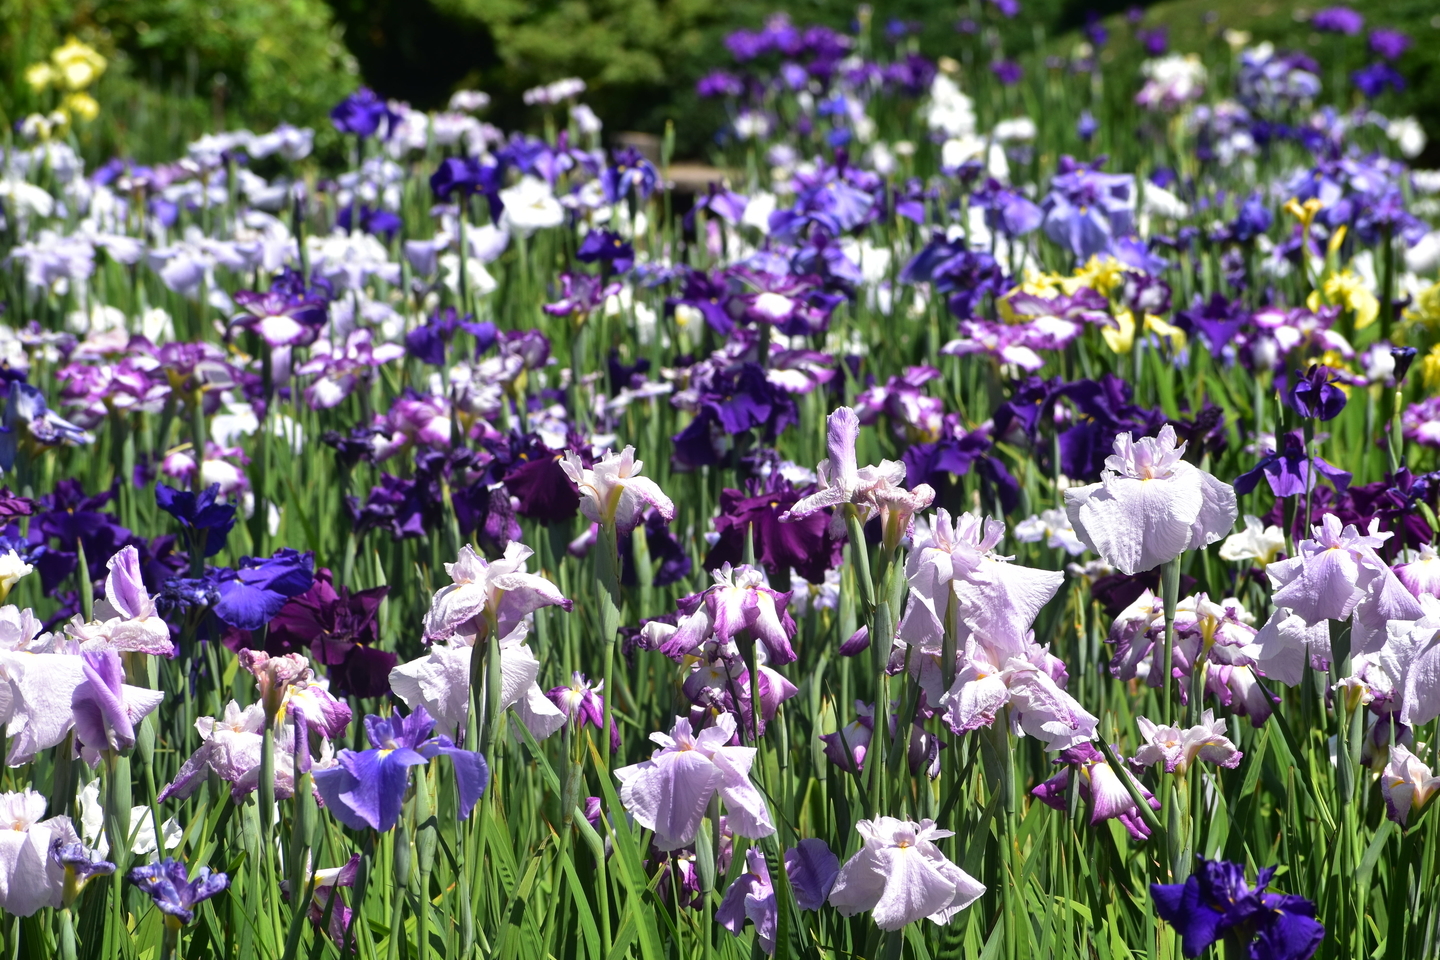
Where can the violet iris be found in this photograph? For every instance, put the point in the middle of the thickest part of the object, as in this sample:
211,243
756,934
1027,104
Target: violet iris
365,789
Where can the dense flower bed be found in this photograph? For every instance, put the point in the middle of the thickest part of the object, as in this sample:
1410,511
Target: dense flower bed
362,525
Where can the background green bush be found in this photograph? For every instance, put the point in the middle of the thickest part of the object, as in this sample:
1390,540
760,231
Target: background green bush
181,67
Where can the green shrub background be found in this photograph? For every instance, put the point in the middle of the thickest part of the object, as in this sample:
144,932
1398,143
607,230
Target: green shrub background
181,67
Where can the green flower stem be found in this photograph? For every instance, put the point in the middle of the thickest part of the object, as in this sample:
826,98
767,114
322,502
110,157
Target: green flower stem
607,564
1170,596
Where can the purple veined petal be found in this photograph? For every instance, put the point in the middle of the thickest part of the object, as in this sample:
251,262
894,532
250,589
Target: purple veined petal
1323,589
669,794
191,775
747,813
334,784
914,888
974,700
99,704
124,588
379,784
842,429
812,868
860,883
1385,601
472,775
731,913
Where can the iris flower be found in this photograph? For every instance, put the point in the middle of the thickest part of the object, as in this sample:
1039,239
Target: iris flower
811,868
612,492
207,522
365,789
439,683
1215,902
1177,749
1101,785
901,876
106,709
168,884
1407,784
484,593
843,482
1150,505
670,792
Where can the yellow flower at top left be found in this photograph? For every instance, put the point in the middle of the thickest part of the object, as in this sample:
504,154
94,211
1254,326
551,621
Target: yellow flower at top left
77,64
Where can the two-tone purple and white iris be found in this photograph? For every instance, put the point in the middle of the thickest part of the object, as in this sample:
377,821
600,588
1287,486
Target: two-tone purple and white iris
872,491
366,789
741,602
670,792
286,315
1100,786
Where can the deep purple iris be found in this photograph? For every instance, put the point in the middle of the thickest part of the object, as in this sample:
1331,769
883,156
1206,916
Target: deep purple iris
286,315
608,248
1315,395
1216,903
427,342
339,629
1374,79
708,294
804,546
1219,319
965,276
362,113
732,402
541,489
206,522
629,171
465,175
254,592
377,220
